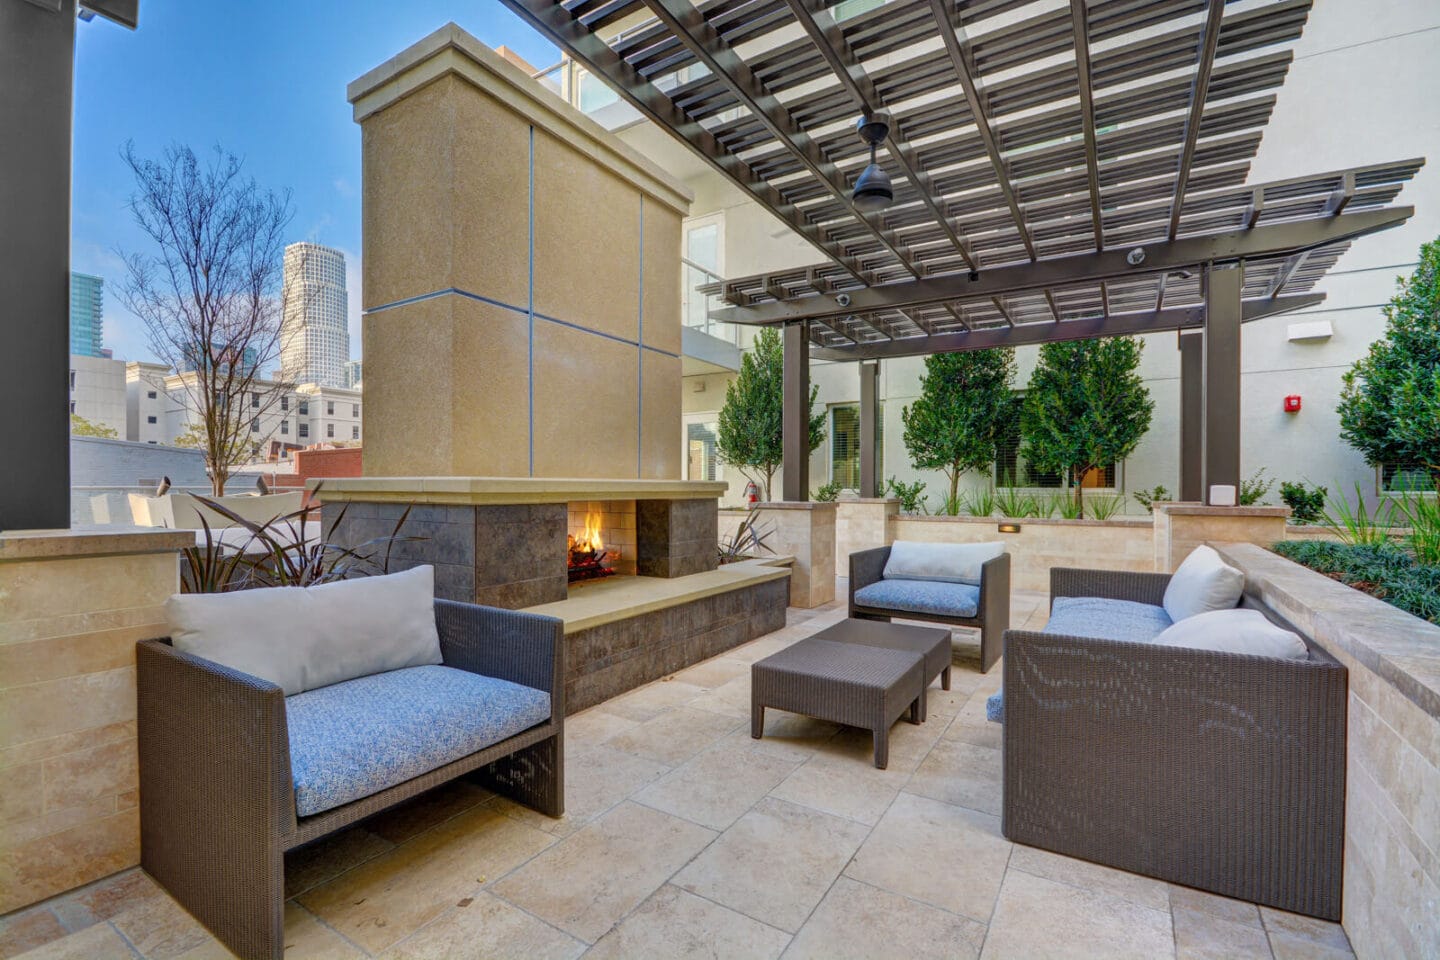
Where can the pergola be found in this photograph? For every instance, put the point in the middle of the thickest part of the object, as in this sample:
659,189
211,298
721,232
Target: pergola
1062,170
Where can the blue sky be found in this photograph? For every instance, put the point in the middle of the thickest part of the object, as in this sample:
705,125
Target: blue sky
265,80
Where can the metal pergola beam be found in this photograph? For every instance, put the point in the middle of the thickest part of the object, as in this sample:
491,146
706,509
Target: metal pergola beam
554,22
1275,240
1199,90
1117,325
1081,28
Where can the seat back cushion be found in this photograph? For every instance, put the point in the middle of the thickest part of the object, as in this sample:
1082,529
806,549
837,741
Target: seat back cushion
942,562
301,638
1203,582
1234,631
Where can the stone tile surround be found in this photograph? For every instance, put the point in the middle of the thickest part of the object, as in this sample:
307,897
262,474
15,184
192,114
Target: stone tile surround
646,863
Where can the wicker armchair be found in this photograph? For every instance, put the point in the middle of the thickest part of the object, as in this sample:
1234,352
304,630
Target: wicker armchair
992,615
217,804
1211,770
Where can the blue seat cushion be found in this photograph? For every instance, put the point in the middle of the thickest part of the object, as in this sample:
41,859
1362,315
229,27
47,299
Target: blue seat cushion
1094,617
353,739
921,596
1107,619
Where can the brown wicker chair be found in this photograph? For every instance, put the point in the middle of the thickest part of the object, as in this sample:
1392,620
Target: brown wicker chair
1211,770
217,804
992,616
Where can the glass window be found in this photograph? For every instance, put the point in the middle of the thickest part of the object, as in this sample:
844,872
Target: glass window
303,429
354,409
254,399
285,426
354,433
1405,477
329,429
845,445
284,403
254,424
329,408
1012,470
700,451
151,394
305,407
149,419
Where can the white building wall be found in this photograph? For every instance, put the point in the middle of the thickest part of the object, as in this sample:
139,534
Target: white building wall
97,391
147,404
1359,91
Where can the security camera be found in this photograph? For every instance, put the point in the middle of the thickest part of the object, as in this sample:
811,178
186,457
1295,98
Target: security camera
843,299
1135,257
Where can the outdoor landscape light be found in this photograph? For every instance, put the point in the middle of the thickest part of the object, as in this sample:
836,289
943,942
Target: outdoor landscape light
873,190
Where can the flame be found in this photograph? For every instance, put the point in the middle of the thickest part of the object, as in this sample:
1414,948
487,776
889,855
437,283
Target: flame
590,540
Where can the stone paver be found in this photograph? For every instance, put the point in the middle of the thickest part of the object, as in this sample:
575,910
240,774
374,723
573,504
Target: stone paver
686,838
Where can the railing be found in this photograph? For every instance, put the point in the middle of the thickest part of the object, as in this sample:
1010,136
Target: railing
695,306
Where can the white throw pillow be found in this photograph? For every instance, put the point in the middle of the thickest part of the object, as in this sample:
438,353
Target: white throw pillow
1203,582
1234,631
303,638
946,562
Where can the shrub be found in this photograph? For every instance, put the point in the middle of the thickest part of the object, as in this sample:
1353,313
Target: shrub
1383,570
1253,490
1148,498
1422,512
1357,525
1012,503
910,495
827,493
979,504
1306,503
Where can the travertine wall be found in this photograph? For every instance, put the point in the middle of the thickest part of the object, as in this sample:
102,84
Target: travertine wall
72,606
522,278
805,531
1181,527
859,525
1392,784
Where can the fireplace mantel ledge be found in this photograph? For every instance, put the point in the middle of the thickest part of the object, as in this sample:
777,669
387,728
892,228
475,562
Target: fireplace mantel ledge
510,490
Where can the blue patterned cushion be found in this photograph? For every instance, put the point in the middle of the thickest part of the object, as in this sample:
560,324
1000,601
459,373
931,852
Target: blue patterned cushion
352,739
921,596
1107,619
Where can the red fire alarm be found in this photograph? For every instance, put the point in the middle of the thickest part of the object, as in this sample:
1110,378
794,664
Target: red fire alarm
1292,403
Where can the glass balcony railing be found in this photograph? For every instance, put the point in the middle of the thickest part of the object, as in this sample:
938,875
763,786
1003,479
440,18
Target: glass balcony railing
695,306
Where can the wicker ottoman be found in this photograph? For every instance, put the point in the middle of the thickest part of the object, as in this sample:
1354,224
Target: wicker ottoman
861,686
932,643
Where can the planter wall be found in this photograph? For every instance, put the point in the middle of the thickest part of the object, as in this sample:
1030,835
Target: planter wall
1392,791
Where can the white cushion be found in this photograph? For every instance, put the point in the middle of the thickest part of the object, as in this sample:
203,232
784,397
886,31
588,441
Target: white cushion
945,562
306,637
1234,631
1201,583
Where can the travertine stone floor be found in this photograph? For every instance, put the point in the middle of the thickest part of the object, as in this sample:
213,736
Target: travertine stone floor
686,838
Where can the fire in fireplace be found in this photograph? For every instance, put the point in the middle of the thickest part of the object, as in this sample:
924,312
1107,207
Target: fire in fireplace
586,556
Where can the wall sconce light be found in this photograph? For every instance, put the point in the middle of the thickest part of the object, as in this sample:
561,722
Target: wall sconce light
1008,527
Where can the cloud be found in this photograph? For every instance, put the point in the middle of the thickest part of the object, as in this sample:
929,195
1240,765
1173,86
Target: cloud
344,187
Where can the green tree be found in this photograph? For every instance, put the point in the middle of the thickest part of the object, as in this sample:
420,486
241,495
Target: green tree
964,400
1390,403
1086,407
80,427
751,422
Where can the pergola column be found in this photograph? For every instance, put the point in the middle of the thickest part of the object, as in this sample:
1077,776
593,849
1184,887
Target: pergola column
869,411
1192,413
37,55
795,435
1222,377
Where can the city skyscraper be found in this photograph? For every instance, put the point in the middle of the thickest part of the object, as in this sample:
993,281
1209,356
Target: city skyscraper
87,315
314,334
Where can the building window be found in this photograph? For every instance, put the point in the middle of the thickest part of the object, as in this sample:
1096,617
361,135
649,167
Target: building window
284,403
303,429
354,433
845,446
700,451
72,381
150,394
285,427
72,406
354,409
1012,470
149,419
329,408
304,408
329,429
254,399
1405,478
254,424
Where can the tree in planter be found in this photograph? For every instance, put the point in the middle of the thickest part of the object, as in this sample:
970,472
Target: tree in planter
1086,406
1390,403
210,292
750,435
955,422
80,427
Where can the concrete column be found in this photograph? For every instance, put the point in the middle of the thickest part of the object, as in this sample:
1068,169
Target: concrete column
1222,377
795,484
869,411
1192,413
37,59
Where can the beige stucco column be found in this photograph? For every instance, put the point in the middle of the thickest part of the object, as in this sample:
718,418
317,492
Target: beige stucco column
806,531
522,278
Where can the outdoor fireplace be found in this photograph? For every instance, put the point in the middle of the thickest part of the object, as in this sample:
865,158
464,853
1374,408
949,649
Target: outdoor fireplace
601,539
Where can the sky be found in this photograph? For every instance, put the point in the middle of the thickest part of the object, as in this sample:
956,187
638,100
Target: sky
266,81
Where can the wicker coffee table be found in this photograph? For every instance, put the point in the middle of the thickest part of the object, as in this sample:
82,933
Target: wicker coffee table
858,685
932,643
